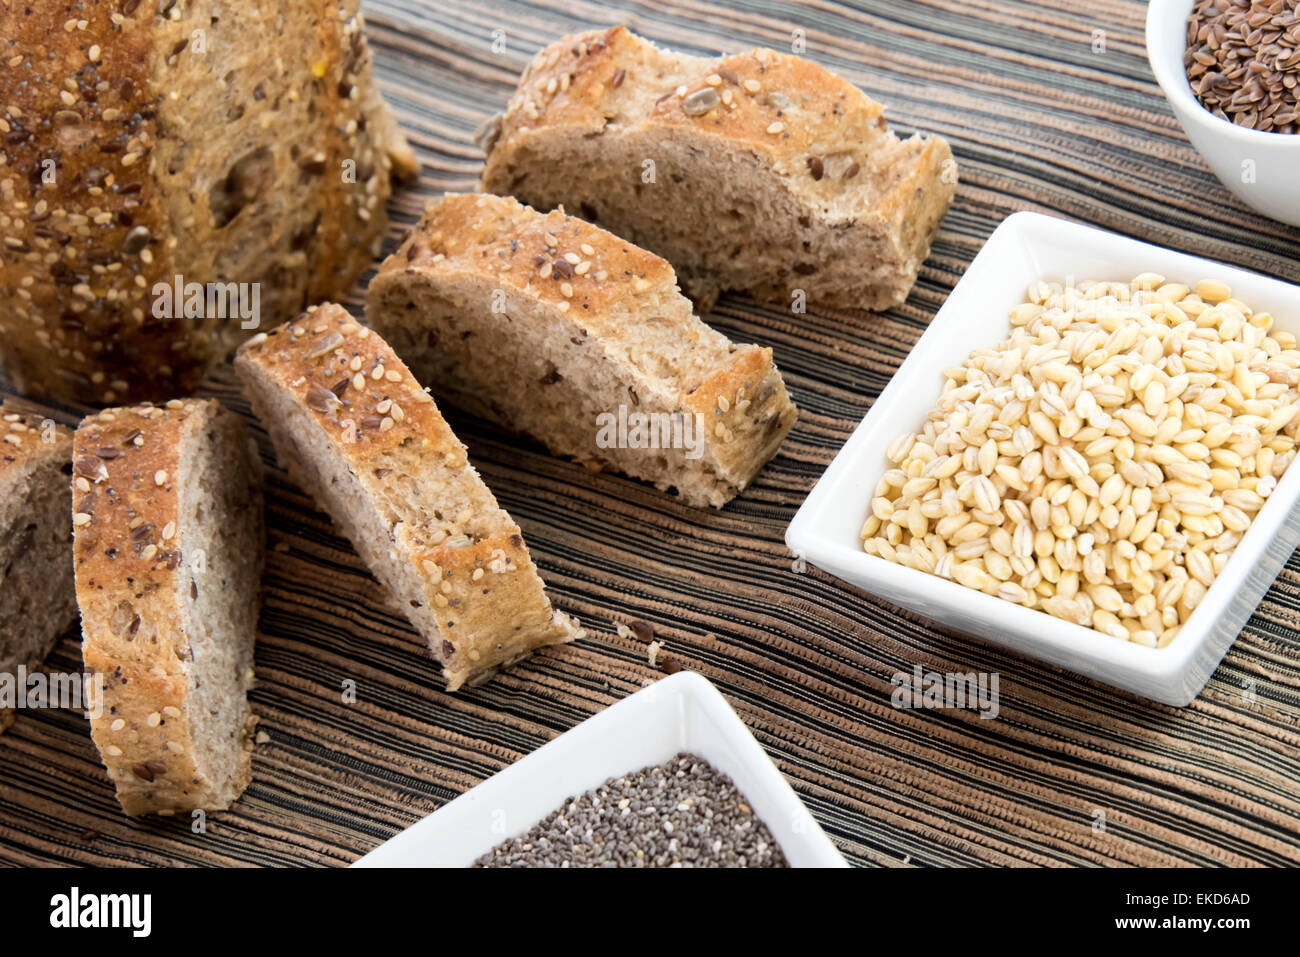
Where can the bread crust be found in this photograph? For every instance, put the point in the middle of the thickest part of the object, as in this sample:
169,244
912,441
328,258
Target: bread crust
92,227
501,245
132,583
808,135
28,433
485,596
28,437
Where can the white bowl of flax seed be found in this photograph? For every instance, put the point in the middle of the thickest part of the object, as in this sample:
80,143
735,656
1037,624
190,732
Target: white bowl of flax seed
1260,166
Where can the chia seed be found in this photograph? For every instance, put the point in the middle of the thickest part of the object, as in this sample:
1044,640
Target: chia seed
682,813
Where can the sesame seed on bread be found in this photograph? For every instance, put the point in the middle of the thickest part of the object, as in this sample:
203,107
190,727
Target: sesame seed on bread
37,603
760,172
146,140
168,551
551,326
357,431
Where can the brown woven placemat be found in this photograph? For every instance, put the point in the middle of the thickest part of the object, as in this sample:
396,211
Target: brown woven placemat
1038,120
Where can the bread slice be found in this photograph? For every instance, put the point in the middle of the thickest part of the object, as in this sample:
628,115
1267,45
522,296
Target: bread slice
37,602
156,141
357,431
759,172
169,545
556,328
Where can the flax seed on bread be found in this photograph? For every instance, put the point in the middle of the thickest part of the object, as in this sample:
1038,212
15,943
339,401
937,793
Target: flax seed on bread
37,602
760,172
356,430
168,549
222,141
548,325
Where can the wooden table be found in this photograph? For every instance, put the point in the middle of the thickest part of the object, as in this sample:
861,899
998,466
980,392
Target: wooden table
1047,109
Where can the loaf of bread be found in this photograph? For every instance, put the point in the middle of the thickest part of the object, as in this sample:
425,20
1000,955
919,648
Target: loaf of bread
37,603
558,329
168,546
356,430
211,146
760,172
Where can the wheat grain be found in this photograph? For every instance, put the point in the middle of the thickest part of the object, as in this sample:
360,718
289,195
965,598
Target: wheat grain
1101,463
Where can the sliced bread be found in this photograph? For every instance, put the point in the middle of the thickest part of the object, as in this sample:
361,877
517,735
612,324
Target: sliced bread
355,429
556,328
760,172
37,601
169,545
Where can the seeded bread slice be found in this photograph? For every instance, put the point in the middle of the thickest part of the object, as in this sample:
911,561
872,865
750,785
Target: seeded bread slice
556,328
37,602
760,172
356,430
169,546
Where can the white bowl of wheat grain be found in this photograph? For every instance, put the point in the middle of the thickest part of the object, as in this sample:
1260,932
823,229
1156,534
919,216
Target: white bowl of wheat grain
1169,664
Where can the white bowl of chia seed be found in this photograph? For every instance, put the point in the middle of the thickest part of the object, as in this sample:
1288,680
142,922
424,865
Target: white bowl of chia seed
1260,166
669,776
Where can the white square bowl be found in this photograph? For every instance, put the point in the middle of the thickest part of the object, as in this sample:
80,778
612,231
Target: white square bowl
680,713
1025,248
